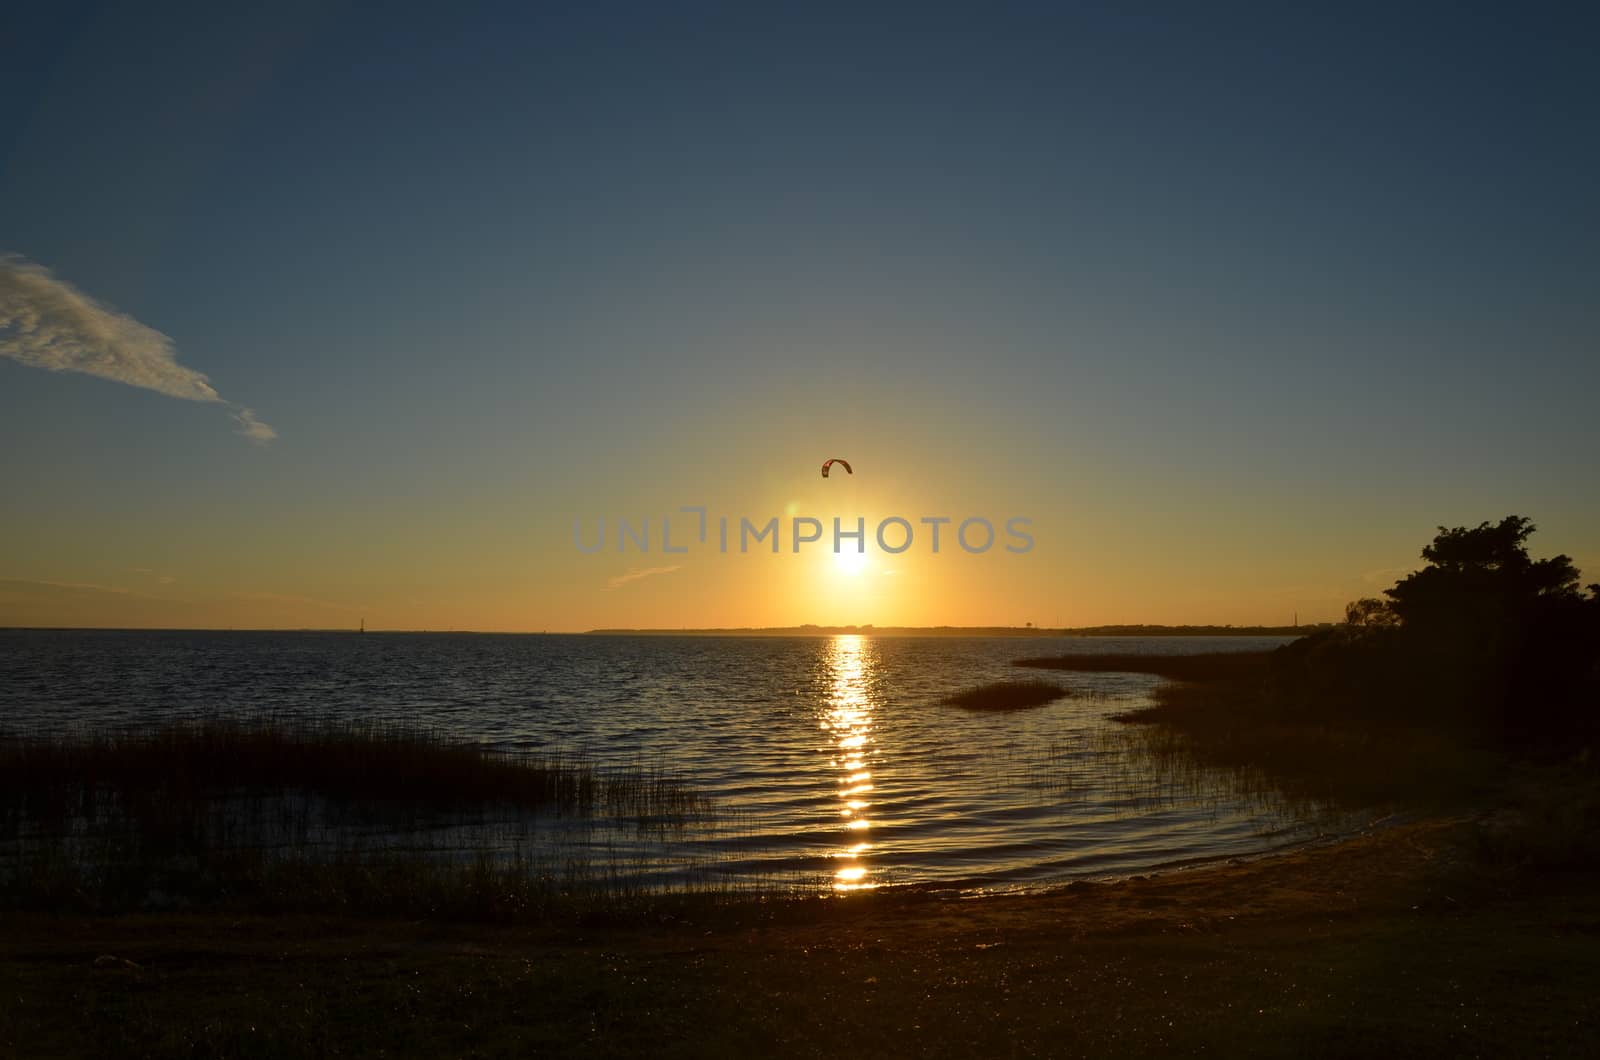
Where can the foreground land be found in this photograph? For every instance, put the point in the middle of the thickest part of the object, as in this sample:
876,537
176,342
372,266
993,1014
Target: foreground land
1400,942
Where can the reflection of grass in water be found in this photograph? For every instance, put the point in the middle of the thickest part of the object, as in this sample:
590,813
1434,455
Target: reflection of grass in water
1093,763
1048,766
315,815
1155,769
1135,771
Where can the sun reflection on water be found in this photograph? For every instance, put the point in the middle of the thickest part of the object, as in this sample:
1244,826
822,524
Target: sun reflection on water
848,720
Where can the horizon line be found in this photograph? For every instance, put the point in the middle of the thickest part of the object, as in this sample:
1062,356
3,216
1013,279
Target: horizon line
804,629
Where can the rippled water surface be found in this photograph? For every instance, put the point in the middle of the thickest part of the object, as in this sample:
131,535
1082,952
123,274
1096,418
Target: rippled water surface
830,760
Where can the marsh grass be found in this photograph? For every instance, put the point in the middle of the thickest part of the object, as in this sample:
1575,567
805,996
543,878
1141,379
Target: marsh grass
373,765
1209,666
312,815
1048,766
1009,695
1224,716
1226,721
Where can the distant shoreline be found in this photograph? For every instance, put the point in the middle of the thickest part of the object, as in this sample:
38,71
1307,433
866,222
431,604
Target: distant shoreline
748,631
970,631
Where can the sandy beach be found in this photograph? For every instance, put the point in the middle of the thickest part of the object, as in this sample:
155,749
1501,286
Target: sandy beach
1396,940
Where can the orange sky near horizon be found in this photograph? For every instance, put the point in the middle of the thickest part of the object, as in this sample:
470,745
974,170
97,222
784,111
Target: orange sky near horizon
1124,558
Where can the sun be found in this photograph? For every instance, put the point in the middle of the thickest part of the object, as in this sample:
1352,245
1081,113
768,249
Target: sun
849,561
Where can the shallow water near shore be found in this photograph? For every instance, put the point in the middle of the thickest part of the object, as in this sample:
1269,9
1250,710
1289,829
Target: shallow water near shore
830,762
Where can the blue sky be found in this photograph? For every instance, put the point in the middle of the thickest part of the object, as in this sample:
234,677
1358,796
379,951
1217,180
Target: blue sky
1210,283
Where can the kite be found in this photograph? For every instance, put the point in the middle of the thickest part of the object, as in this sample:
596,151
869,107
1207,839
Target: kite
842,463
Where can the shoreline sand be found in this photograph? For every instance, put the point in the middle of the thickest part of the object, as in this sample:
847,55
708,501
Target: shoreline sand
1394,939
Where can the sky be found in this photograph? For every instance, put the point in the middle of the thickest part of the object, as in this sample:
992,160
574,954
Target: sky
320,314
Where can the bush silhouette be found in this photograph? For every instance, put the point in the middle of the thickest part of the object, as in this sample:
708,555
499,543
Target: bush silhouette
1483,636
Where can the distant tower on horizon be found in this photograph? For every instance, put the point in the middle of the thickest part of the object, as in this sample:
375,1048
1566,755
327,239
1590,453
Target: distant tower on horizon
363,628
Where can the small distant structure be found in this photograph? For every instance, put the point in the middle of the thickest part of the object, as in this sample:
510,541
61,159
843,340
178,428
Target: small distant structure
363,628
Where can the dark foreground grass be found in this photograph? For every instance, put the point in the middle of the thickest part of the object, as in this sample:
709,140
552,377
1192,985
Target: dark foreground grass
58,778
315,817
1394,944
1008,695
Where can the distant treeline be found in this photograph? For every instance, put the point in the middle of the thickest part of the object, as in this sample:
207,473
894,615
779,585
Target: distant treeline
974,631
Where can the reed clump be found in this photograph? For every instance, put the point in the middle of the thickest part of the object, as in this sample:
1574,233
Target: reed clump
1008,695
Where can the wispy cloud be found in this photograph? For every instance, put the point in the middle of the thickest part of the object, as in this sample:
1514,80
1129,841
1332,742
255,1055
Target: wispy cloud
88,587
635,573
47,323
253,428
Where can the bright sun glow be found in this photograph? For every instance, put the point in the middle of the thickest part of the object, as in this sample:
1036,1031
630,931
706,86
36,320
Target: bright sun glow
847,561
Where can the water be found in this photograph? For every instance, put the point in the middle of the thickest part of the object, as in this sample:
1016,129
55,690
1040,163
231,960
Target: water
830,761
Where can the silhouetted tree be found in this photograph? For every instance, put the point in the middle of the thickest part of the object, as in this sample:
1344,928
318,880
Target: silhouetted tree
1370,613
1482,575
1483,636
1506,635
